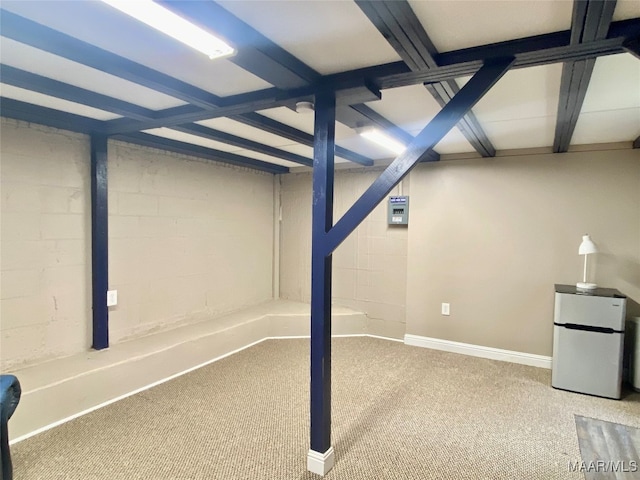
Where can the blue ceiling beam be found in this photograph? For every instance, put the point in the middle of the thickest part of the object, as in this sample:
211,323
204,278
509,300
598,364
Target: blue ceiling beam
54,88
400,26
529,52
220,136
590,22
437,128
393,130
27,112
632,46
565,53
535,49
242,103
236,105
361,115
175,146
265,123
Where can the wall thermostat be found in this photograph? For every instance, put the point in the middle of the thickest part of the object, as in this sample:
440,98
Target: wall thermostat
398,211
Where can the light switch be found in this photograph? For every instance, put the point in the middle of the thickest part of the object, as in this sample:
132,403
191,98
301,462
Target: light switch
445,309
112,298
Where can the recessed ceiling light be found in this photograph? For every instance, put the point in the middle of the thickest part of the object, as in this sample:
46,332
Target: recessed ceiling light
382,139
175,26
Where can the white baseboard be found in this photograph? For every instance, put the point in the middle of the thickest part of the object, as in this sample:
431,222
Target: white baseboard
320,463
530,359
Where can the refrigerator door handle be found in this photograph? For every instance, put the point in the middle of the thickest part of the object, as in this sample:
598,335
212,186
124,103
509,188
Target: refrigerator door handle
589,328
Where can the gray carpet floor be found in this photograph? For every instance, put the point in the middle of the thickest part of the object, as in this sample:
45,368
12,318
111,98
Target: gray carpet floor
399,412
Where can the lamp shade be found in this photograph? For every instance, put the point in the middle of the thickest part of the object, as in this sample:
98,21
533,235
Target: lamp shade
587,246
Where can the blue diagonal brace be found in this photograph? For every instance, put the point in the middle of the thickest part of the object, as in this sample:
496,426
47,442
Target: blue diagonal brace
99,241
322,220
437,128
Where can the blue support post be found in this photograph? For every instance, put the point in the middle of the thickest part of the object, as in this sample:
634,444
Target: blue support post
435,130
326,238
320,459
99,241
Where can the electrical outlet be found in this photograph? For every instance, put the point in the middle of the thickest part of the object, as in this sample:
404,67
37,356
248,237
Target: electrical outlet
445,309
112,298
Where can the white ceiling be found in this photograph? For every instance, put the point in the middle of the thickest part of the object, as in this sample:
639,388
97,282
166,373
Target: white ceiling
334,36
453,25
330,36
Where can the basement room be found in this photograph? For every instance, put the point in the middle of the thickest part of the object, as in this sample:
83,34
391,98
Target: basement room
303,239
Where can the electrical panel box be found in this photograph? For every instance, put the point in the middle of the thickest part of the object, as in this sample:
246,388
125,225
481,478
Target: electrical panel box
398,211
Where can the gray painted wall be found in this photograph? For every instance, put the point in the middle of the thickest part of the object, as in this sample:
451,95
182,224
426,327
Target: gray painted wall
492,236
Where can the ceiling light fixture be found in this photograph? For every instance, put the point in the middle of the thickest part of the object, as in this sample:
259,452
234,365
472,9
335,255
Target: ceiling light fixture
382,139
304,107
175,26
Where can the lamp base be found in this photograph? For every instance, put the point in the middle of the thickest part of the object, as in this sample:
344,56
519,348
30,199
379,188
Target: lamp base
586,286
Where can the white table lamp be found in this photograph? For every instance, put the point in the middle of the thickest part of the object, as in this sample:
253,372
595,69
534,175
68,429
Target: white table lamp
587,247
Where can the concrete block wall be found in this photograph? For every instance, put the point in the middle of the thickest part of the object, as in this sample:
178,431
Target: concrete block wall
369,267
188,241
45,285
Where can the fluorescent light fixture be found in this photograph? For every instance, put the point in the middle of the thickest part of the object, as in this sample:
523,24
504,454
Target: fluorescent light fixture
174,25
382,139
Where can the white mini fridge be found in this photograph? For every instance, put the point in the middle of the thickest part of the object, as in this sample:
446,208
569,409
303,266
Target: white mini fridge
588,340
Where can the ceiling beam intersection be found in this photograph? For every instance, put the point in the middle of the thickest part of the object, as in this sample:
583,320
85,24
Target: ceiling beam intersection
400,26
430,135
632,45
269,125
269,61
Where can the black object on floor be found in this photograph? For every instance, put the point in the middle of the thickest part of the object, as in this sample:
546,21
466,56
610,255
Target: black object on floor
9,398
